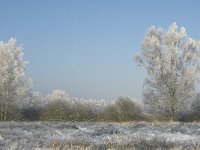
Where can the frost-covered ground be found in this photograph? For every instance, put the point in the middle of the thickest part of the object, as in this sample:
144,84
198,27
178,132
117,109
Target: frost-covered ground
74,135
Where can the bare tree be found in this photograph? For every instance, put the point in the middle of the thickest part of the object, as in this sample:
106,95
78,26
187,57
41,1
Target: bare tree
171,59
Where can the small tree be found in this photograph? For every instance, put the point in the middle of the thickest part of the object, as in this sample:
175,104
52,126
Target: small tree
172,63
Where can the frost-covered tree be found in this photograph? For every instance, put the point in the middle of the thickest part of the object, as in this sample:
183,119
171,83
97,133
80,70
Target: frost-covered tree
171,59
59,95
13,86
36,99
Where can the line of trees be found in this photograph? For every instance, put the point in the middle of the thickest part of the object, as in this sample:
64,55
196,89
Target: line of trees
170,57
59,106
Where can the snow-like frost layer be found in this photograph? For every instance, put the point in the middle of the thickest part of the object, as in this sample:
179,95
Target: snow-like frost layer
35,135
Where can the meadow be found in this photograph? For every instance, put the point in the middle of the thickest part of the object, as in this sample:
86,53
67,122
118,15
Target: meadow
99,135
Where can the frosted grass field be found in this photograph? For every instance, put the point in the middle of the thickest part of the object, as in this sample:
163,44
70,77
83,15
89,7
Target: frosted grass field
75,135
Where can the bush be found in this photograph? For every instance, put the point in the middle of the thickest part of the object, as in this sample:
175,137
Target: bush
110,113
128,109
83,112
13,113
56,110
124,109
31,113
66,111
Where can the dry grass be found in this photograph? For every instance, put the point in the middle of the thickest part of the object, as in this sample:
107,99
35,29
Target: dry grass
140,143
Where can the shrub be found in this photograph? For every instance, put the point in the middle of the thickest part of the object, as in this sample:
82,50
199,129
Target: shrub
128,109
83,112
110,113
124,109
13,113
31,113
55,110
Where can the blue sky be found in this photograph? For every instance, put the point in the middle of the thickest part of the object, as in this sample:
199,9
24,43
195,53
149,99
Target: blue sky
87,47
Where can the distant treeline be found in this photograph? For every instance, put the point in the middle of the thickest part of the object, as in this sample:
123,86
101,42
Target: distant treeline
60,107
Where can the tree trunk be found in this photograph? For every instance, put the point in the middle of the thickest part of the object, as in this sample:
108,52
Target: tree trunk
2,110
6,106
6,111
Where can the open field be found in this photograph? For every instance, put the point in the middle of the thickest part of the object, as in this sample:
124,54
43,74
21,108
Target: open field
75,135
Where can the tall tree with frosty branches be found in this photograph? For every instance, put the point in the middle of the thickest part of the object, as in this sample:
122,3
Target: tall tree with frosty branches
13,86
171,59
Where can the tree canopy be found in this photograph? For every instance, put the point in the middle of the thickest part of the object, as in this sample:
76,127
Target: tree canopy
171,59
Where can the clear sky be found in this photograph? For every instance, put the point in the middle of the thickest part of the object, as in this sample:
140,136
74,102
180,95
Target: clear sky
86,47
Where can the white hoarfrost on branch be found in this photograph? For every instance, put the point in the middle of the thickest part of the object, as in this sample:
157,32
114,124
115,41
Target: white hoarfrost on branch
171,59
59,95
34,99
